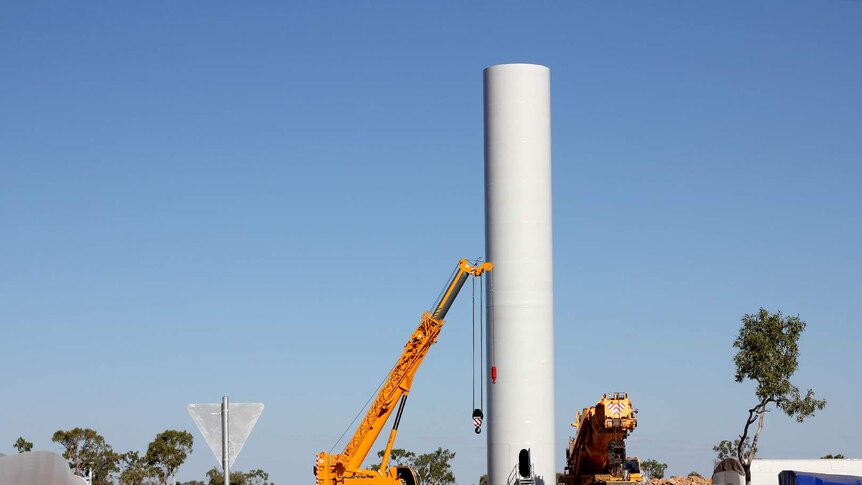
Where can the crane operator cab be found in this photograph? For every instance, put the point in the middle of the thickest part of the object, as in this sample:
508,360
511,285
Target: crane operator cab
632,470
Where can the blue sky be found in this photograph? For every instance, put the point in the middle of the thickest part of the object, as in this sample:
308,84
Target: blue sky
200,199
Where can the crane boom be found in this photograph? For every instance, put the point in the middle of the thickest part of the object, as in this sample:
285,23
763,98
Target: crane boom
334,469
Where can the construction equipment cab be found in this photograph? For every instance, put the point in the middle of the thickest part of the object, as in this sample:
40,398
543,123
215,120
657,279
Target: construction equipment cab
345,468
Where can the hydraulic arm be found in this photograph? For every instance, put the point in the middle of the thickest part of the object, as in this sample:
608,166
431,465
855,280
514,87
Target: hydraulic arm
345,467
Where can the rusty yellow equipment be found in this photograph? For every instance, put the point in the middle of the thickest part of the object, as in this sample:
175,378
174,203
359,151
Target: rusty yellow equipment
345,468
597,454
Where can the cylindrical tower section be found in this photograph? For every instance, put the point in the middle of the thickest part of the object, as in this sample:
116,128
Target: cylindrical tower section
520,293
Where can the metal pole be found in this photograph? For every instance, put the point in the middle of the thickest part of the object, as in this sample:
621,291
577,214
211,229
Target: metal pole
225,442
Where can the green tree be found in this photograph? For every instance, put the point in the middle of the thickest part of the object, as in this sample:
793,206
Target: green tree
216,477
23,445
726,449
434,468
168,452
397,457
87,450
483,480
768,355
257,477
695,474
653,469
135,470
830,456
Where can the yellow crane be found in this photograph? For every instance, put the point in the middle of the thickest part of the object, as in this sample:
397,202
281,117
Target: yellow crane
345,468
597,454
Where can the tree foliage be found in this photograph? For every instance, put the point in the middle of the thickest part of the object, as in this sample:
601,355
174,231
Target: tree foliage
168,452
87,450
136,470
837,456
253,477
257,477
216,477
430,468
768,355
726,449
397,457
483,480
653,469
23,445
434,468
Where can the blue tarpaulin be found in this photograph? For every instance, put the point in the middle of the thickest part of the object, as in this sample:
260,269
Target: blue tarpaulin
791,477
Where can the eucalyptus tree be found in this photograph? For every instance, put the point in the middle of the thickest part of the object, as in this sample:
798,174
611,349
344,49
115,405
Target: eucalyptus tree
168,452
768,352
87,451
23,445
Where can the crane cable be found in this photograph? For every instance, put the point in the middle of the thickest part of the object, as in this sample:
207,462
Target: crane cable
478,416
364,406
482,328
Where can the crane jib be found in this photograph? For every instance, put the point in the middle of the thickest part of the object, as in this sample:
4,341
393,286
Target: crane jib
463,270
449,297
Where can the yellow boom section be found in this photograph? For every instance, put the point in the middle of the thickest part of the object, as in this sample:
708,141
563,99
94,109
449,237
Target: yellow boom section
334,469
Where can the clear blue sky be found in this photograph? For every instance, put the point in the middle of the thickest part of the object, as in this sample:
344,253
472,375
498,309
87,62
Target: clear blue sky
258,200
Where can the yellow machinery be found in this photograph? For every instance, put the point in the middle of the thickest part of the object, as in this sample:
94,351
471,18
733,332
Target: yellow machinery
597,454
345,468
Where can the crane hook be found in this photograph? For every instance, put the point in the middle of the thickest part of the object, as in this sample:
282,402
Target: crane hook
477,420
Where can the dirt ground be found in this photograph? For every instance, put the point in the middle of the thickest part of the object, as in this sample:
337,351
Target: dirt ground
681,481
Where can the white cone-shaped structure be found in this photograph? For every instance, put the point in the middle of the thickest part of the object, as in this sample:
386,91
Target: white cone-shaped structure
520,293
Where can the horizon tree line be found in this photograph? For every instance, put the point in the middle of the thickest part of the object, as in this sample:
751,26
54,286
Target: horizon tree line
88,452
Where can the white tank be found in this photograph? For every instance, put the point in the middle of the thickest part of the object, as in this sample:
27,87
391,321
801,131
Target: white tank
520,293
